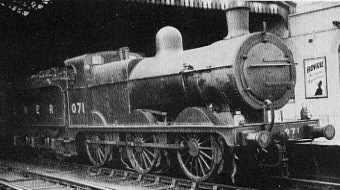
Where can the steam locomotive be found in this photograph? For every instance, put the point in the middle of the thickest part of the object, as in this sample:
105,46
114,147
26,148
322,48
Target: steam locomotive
202,104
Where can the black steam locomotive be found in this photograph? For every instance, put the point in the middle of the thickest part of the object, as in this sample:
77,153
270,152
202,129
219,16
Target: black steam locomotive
201,104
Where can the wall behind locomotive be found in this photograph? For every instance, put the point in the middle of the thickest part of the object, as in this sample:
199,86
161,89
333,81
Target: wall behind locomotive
65,29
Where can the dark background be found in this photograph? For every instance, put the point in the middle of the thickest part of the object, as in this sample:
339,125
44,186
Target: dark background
69,28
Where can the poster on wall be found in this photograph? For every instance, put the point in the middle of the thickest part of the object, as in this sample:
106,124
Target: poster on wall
315,77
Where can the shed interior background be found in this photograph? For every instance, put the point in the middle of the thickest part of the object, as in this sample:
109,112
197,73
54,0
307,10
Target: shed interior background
45,37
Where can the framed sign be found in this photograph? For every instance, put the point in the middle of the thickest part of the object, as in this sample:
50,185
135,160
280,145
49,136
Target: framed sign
315,77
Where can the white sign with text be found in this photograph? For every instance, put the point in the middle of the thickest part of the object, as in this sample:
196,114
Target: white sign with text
315,77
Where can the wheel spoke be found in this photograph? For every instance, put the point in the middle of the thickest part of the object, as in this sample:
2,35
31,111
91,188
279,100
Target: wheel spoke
202,169
205,148
148,151
140,159
100,151
94,157
204,141
151,137
99,156
186,162
206,155
196,167
144,161
198,137
205,163
191,165
184,138
147,157
191,162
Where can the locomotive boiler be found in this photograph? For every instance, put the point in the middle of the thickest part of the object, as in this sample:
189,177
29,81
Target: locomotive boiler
201,104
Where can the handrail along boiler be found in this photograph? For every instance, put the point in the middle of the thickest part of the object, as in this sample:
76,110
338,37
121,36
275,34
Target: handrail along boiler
202,105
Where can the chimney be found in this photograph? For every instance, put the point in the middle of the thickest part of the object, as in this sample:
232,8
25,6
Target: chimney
237,18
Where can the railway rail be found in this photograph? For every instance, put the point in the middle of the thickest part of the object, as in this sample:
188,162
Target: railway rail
63,175
12,178
51,174
290,183
312,184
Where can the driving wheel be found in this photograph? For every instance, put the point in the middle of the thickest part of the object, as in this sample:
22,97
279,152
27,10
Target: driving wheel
198,159
97,153
142,158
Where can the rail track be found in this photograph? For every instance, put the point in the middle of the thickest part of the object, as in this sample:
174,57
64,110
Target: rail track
48,174
29,178
52,174
312,184
290,183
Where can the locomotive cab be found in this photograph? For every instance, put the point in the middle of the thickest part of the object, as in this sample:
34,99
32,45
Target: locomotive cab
101,78
84,65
